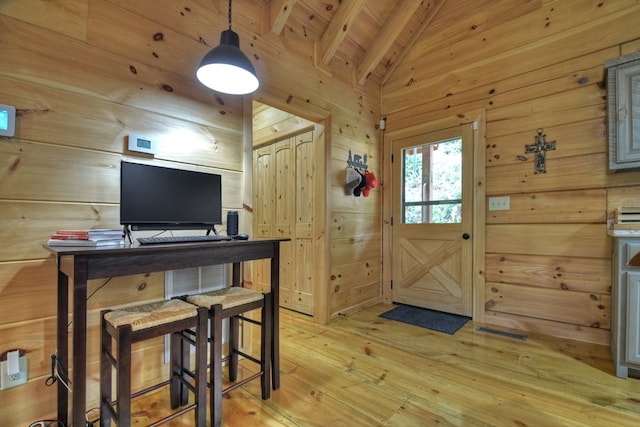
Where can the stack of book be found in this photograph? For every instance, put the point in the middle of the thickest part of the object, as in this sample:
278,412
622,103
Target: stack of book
92,237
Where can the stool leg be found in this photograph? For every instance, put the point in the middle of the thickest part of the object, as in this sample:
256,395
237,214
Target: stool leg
216,365
234,338
179,394
105,373
123,368
266,341
201,367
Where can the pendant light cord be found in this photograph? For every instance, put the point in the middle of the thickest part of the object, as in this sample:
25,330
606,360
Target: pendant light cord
229,14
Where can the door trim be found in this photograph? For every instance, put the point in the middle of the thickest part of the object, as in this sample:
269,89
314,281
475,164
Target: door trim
478,118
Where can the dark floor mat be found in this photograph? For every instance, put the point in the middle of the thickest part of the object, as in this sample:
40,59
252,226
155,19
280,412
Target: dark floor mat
430,319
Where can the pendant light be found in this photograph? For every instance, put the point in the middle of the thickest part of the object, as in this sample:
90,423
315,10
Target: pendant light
226,69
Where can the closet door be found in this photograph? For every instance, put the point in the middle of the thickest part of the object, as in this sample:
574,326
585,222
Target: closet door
283,182
273,212
263,191
305,208
285,198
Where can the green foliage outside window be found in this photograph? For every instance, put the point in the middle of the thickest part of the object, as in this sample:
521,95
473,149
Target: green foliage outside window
445,185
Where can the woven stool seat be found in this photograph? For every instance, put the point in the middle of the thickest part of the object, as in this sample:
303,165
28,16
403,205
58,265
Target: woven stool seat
150,315
228,297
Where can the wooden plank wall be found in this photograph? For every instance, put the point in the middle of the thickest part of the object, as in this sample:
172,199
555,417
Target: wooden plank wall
532,64
85,73
349,116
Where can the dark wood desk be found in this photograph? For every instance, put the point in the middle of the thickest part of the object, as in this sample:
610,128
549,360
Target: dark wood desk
82,264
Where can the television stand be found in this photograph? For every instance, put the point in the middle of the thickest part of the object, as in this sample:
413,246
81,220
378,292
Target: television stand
126,231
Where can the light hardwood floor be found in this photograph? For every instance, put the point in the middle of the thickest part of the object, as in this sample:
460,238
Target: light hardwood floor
362,370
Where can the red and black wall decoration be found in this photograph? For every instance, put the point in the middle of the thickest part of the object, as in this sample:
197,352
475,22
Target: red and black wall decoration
359,181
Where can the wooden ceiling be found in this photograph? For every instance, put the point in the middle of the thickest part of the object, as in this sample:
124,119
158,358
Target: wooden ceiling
370,36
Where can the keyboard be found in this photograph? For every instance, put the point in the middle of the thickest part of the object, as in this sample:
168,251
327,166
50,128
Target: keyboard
182,239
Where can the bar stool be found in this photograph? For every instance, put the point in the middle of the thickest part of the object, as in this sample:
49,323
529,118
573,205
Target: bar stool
233,303
134,324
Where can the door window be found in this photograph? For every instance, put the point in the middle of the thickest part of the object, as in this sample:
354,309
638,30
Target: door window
432,183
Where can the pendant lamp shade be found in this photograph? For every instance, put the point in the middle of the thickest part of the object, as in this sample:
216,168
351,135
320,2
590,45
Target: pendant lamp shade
226,69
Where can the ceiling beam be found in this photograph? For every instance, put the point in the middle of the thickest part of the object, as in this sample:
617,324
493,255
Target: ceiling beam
338,27
279,13
423,25
385,38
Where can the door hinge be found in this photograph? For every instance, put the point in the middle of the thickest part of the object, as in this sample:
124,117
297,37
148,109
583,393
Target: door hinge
391,221
392,158
392,284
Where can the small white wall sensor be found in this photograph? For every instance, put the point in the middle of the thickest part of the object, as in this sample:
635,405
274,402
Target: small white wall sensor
142,144
7,120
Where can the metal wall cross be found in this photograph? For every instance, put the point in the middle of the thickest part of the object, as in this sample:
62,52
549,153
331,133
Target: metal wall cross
540,148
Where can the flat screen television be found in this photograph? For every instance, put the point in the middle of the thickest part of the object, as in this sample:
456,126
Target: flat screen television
160,198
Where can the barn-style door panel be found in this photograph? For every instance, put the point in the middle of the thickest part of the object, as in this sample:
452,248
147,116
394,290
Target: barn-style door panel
430,273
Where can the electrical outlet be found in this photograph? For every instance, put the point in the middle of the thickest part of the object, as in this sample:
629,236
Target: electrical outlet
499,203
9,381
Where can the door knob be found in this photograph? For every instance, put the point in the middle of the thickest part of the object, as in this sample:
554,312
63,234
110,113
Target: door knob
466,236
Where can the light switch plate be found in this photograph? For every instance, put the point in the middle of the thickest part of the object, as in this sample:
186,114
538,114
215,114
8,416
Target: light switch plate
499,203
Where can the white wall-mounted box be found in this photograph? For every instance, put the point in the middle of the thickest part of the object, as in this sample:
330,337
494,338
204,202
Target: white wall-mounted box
142,144
7,120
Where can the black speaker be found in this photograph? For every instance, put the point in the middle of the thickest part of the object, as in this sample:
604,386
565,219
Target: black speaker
232,223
